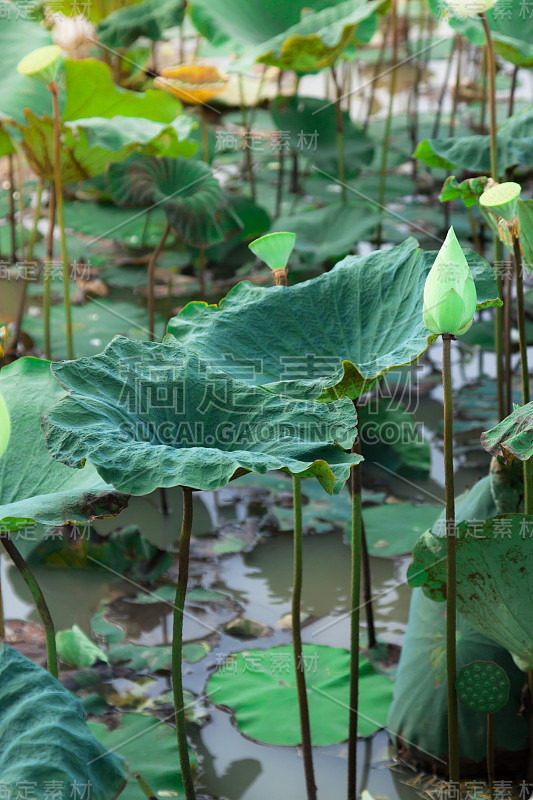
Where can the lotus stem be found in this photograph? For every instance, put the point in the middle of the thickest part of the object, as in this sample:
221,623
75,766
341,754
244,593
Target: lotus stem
177,644
29,256
340,133
143,786
12,218
355,600
490,753
40,604
512,92
2,621
388,124
205,137
299,664
451,579
47,275
530,762
367,588
61,216
201,265
376,73
151,281
521,317
247,130
507,308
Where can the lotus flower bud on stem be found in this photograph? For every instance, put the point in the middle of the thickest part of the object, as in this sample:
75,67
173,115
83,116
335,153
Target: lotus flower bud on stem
274,249
450,297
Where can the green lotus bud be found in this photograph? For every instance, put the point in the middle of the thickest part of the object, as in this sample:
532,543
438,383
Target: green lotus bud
469,8
502,200
450,293
5,426
42,64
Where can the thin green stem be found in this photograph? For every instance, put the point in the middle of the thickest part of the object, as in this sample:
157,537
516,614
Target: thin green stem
490,753
524,367
143,786
177,644
388,124
40,604
12,210
299,664
205,135
28,259
151,281
2,621
341,172
61,216
47,274
451,579
355,601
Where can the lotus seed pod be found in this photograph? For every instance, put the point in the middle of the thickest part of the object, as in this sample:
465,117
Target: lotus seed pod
502,200
483,687
449,294
5,426
42,64
469,8
274,249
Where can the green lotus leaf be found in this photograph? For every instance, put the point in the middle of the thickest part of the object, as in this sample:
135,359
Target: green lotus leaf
259,686
494,578
472,153
418,718
469,190
34,487
189,193
150,19
150,748
310,128
5,426
513,436
392,529
350,326
75,647
313,43
149,415
44,737
525,217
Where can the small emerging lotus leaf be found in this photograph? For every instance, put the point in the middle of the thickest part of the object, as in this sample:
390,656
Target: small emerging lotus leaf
42,64
187,190
150,415
483,687
513,436
265,693
44,739
274,248
502,199
494,578
349,326
34,487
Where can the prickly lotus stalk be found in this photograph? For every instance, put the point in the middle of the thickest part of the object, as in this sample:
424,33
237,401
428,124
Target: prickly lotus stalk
469,8
450,293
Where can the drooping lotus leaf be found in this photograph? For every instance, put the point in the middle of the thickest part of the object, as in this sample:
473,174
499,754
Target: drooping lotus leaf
418,718
149,415
150,19
483,687
44,737
349,326
150,748
259,686
392,438
34,487
494,578
514,139
189,193
313,43
513,436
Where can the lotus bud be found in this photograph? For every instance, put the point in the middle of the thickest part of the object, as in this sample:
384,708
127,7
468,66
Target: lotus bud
450,293
42,64
274,249
501,200
469,8
5,426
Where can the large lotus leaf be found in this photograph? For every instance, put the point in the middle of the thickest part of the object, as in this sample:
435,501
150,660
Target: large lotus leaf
189,193
331,336
392,529
310,126
89,145
93,325
494,578
511,30
150,748
19,37
313,43
515,146
474,503
513,436
329,232
259,686
91,92
149,18
149,415
34,487
418,718
44,739
391,437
